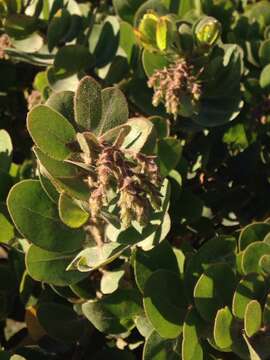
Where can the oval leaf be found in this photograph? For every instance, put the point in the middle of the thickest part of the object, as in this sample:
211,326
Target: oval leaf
51,132
71,213
88,104
36,217
50,267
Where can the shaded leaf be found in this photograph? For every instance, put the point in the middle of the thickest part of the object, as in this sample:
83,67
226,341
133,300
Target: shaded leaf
50,267
114,313
214,290
158,348
166,313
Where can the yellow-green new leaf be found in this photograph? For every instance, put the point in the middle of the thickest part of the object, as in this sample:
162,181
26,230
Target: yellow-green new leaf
71,213
222,328
253,318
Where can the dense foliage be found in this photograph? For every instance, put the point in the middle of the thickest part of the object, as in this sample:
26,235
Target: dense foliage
134,179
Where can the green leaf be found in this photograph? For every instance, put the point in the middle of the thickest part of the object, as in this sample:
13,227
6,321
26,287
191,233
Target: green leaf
88,104
65,292
191,346
142,136
116,70
41,82
51,132
102,35
94,257
84,289
127,41
162,34
32,43
253,232
148,236
189,207
166,313
126,9
8,288
50,267
147,262
57,29
5,184
62,102
158,348
207,31
259,12
63,175
210,252
7,230
36,217
223,70
156,6
253,318
265,264
222,328
66,326
72,59
252,256
71,213
114,110
236,137
114,313
110,281
118,133
161,125
153,61
252,352
251,287
5,151
19,26
159,235
169,154
61,81
47,185
214,290
265,77
143,325
189,5
264,52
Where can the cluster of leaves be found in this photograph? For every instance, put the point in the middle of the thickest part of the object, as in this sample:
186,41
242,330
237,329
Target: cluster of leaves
138,225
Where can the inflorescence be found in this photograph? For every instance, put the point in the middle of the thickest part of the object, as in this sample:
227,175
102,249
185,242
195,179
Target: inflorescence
175,84
134,177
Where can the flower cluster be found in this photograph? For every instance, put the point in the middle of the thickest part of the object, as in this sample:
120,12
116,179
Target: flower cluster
4,43
133,177
174,86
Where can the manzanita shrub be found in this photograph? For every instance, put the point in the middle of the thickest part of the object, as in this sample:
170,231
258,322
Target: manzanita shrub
134,180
